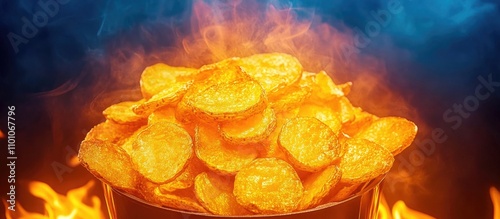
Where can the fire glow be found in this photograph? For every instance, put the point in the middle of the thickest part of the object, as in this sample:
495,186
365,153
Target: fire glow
57,206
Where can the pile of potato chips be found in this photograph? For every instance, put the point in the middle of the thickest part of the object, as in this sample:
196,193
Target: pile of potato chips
252,135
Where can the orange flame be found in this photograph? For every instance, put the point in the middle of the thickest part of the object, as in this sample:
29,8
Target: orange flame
2,135
401,211
495,198
58,206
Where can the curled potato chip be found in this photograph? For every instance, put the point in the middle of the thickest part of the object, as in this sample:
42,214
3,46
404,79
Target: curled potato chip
128,144
122,113
292,98
322,113
393,133
362,120
270,147
111,132
253,129
186,178
218,155
158,77
310,144
318,185
326,89
268,186
215,193
274,71
168,96
229,101
109,163
180,199
161,151
342,191
364,160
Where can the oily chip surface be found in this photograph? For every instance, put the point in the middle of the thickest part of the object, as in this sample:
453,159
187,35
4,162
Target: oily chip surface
364,160
274,71
158,77
215,193
229,101
253,129
310,144
393,133
318,185
220,156
122,113
161,151
108,163
268,186
186,178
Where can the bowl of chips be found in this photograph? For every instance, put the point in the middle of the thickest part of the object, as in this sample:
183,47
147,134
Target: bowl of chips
244,137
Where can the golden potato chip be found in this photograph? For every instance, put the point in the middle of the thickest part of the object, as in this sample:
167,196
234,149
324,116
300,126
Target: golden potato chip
229,101
342,191
362,120
128,144
323,114
215,193
318,185
393,133
222,73
218,155
310,144
268,186
161,151
346,109
158,77
108,163
253,129
186,178
179,199
274,71
270,147
293,97
111,132
364,160
166,97
122,113
326,89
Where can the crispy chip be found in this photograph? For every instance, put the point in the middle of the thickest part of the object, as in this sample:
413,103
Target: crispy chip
111,132
180,199
318,185
108,163
393,133
168,114
364,160
289,100
274,71
310,144
166,97
362,120
158,77
215,193
162,151
323,114
342,191
186,178
325,88
122,113
270,147
229,101
268,186
128,144
218,155
250,130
